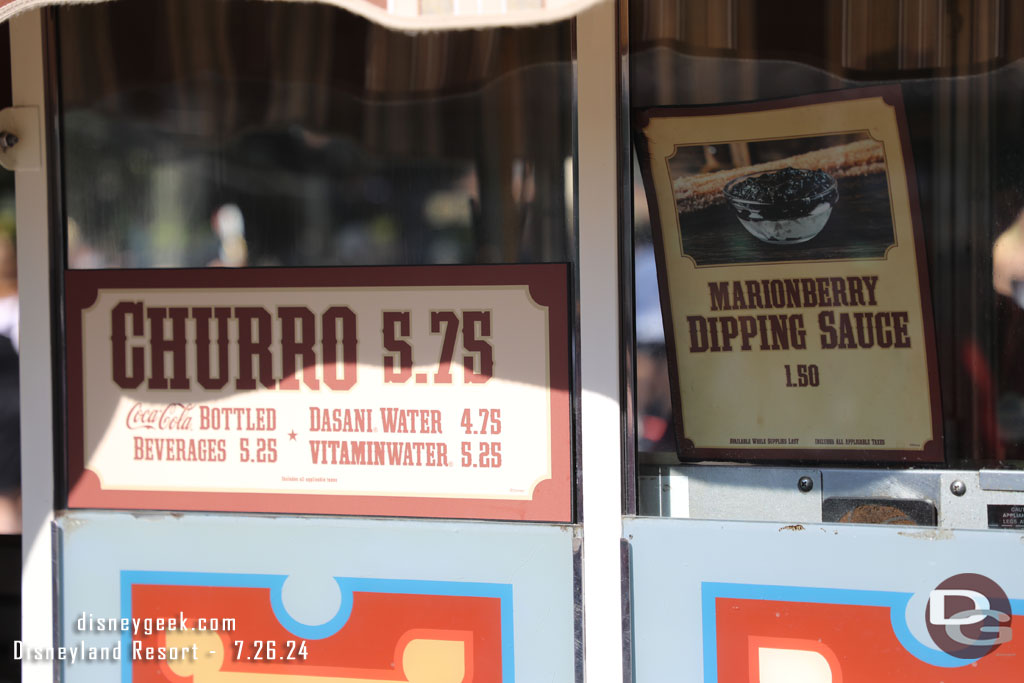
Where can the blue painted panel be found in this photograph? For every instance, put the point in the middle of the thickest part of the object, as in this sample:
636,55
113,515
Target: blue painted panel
503,593
684,573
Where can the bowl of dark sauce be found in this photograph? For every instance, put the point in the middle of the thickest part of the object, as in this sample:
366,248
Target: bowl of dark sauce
785,206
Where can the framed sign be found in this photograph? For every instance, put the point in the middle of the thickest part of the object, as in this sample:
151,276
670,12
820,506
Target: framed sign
793,280
415,391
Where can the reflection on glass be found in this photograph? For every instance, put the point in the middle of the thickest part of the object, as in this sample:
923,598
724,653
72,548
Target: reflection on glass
235,133
1008,281
10,401
962,79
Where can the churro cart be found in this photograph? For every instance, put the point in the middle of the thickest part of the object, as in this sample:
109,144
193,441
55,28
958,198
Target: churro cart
519,341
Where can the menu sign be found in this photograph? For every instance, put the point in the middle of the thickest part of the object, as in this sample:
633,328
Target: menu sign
792,276
429,391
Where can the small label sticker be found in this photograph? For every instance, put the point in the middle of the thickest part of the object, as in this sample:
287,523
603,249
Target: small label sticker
1006,516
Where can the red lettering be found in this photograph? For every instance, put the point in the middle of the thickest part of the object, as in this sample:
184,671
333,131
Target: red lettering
332,316
159,346
126,375
202,318
250,349
291,348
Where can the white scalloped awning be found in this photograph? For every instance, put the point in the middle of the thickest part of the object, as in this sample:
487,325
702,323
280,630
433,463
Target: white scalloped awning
410,15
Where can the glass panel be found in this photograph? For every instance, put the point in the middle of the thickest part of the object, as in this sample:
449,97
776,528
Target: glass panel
10,427
960,67
237,133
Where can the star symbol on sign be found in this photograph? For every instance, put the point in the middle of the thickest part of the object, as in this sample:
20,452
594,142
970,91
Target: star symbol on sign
292,435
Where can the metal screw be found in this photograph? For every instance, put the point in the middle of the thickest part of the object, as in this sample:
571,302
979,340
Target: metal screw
7,140
958,488
805,484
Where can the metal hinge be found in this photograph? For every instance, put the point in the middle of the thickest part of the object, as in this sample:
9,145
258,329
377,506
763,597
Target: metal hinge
20,147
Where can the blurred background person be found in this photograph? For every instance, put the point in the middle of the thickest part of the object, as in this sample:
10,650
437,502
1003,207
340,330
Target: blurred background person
1008,262
10,428
228,225
1008,281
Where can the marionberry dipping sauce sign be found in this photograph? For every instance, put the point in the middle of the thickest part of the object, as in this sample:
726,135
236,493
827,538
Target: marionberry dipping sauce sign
793,279
413,391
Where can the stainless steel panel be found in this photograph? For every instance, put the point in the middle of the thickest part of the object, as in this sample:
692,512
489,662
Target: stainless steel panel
1001,480
754,493
734,492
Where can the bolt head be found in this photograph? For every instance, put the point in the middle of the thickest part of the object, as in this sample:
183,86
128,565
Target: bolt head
805,484
958,488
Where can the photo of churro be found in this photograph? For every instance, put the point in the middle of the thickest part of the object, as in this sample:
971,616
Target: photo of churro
790,199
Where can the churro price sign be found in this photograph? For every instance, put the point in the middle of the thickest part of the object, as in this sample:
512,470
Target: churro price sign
792,278
433,391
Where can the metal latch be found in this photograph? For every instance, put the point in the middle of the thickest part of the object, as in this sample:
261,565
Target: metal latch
20,145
